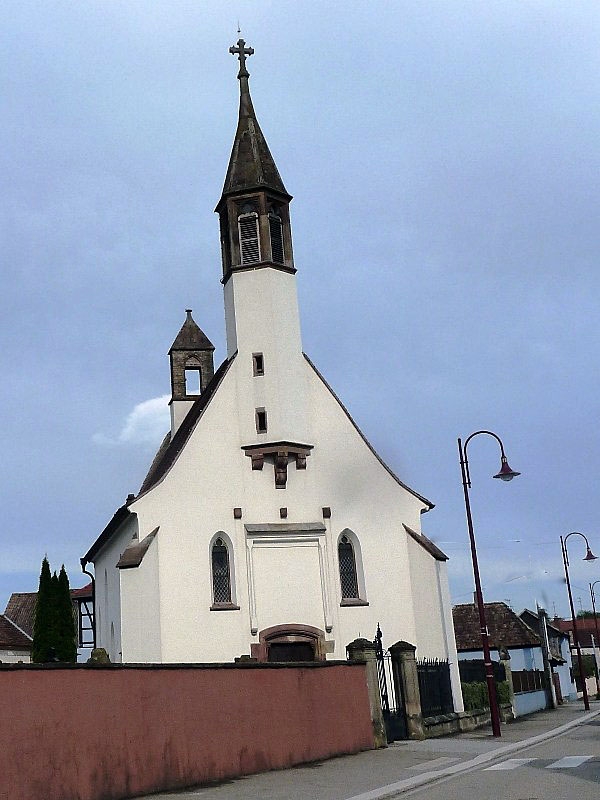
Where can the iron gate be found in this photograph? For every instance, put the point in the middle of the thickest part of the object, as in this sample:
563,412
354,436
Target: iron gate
392,702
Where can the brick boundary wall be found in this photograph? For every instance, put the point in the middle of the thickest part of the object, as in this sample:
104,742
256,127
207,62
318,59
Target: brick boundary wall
77,732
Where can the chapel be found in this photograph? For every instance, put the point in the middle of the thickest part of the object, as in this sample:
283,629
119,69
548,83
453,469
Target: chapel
267,525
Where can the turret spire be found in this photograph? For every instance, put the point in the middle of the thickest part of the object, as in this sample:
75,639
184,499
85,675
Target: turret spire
251,165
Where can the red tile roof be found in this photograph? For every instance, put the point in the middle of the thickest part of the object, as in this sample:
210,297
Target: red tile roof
505,628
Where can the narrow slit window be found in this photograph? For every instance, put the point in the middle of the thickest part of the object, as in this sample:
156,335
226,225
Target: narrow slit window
261,420
193,381
249,242
221,577
258,364
276,231
347,562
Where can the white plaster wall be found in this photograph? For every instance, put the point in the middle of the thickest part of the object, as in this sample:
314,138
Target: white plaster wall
433,614
14,656
212,476
140,604
108,592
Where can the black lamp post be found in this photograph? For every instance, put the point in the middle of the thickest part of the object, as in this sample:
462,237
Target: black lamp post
505,474
593,596
589,556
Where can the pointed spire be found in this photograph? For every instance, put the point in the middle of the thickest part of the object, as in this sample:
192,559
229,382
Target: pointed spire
251,165
191,337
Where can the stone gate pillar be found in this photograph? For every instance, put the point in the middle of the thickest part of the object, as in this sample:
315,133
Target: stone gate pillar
406,684
364,650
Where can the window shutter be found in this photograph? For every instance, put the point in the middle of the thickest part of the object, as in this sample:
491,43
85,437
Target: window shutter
249,244
276,230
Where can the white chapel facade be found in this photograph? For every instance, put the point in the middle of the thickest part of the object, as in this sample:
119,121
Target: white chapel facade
267,524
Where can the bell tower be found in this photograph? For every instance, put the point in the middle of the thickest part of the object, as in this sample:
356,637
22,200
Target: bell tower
259,283
254,206
192,368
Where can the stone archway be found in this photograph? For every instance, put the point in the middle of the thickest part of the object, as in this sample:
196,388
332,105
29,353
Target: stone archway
292,642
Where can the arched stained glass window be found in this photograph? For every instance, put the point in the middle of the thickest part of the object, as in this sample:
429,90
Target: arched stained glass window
221,577
347,562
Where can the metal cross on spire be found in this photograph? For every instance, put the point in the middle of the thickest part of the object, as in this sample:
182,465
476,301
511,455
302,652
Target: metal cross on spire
242,51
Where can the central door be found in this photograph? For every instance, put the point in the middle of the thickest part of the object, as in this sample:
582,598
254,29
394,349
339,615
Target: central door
291,651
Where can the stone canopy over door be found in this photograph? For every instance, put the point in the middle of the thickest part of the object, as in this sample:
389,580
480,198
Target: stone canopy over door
290,643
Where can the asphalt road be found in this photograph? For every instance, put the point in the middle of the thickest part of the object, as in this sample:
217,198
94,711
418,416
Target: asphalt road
564,768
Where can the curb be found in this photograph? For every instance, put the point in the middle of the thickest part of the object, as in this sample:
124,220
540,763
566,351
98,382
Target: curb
428,777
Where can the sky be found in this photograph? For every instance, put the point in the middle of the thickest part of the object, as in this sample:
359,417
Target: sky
444,161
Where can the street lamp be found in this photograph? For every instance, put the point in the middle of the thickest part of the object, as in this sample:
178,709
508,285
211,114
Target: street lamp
593,596
589,556
505,474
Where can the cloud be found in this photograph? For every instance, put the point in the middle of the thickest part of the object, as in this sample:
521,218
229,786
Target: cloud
145,425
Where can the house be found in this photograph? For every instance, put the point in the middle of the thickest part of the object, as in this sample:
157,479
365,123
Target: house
20,611
15,644
512,642
267,524
587,634
558,652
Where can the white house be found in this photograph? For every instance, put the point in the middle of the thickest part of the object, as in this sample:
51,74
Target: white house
267,524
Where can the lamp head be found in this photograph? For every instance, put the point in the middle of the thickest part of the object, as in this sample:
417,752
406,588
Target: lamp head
589,556
506,473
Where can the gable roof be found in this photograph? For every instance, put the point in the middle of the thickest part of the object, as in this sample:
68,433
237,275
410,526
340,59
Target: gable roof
12,637
20,609
427,502
506,629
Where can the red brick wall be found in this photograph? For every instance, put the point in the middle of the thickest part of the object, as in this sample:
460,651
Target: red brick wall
105,733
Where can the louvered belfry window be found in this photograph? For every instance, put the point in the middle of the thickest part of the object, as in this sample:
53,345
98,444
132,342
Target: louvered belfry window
347,562
220,573
276,231
249,243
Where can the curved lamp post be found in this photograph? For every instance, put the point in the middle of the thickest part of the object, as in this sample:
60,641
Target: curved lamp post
589,556
505,474
593,596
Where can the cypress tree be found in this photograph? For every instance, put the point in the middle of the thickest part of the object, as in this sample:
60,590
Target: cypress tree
66,646
44,622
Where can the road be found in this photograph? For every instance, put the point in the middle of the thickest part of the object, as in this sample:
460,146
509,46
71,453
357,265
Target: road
563,768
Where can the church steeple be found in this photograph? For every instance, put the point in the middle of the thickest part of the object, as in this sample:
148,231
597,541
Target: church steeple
192,368
254,205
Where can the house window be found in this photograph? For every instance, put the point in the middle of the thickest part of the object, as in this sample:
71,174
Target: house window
276,231
347,562
261,420
249,242
193,381
258,364
221,578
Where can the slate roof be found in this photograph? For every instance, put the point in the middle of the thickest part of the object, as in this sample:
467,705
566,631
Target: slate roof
506,629
191,337
426,544
251,165
11,638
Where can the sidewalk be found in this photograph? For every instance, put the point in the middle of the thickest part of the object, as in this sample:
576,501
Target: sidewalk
377,774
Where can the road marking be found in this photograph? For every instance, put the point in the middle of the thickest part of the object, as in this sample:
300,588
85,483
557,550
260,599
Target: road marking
511,763
443,761
568,762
